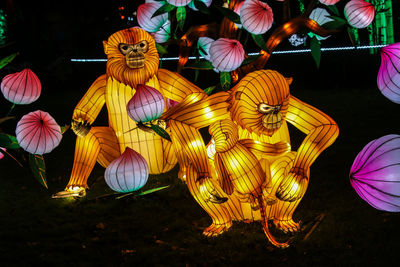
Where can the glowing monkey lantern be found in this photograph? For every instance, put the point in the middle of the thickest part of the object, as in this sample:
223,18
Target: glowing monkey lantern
256,16
127,173
359,13
225,177
146,105
226,54
375,173
329,2
21,87
144,16
389,76
38,133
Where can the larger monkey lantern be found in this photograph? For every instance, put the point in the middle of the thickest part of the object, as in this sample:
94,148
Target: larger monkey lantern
132,60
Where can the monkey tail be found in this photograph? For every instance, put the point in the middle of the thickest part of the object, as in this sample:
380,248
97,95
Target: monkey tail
264,221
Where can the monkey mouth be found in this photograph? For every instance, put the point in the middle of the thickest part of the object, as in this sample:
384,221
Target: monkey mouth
136,62
273,126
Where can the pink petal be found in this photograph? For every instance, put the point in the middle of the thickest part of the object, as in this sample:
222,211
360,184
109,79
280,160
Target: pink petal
359,13
226,54
179,2
388,79
329,2
144,16
21,87
147,104
256,16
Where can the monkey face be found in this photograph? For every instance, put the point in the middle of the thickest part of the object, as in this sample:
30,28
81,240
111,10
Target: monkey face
134,54
259,102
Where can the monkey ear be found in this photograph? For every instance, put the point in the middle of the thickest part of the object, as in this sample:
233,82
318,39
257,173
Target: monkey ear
289,80
105,46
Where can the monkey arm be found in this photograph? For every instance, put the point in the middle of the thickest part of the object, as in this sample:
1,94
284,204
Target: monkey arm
321,132
265,149
320,129
92,102
186,122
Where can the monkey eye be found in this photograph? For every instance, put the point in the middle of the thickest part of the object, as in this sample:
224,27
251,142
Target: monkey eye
142,46
265,108
124,48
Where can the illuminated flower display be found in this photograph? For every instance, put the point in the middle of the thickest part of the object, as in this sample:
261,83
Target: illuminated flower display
375,173
329,2
256,16
38,133
144,17
21,87
206,2
237,11
359,13
388,75
226,54
127,173
204,44
163,34
179,2
321,16
147,104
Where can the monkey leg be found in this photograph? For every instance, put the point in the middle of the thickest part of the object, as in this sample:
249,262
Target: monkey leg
100,145
183,160
170,158
221,219
282,211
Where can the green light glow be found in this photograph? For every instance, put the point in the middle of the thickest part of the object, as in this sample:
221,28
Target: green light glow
3,27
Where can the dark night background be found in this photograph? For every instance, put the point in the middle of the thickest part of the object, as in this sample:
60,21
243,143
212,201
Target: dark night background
37,230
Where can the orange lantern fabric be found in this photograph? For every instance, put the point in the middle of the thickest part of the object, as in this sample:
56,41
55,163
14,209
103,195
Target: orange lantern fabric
249,172
22,87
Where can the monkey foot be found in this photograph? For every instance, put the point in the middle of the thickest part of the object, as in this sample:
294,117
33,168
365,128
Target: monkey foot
216,229
76,191
287,226
182,174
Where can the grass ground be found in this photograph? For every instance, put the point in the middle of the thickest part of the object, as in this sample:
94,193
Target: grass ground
165,228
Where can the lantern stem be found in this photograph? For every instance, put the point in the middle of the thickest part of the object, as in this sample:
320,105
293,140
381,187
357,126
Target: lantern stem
11,109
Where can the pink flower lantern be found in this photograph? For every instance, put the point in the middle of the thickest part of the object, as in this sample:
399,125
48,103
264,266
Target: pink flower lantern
388,76
321,16
179,2
144,17
1,154
375,173
146,105
226,54
206,2
21,87
256,16
38,133
163,34
204,43
329,2
127,173
359,13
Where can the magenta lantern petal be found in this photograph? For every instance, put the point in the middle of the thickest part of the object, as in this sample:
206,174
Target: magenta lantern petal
179,2
321,16
359,13
21,87
375,173
129,172
226,54
256,16
388,76
38,133
329,2
171,103
1,154
206,2
163,34
147,104
204,43
145,20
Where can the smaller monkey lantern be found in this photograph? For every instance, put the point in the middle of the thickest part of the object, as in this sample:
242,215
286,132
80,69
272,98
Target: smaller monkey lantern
359,13
256,16
145,19
375,173
38,133
226,54
389,76
127,173
146,105
21,87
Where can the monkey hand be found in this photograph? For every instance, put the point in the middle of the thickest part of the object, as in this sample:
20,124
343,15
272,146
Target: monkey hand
292,187
208,191
80,128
